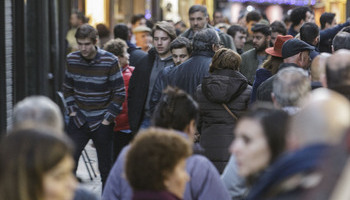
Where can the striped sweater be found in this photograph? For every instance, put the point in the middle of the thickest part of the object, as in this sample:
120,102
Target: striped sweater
95,89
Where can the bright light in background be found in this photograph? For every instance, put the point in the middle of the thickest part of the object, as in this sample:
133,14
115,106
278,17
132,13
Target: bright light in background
235,9
95,10
250,8
274,12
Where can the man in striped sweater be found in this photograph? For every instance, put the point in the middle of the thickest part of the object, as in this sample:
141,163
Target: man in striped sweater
94,91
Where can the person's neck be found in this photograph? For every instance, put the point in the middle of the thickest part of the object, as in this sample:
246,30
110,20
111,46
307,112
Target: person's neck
261,53
297,27
163,56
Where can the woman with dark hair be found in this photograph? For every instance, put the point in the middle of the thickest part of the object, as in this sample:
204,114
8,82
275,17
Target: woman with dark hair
156,165
260,138
36,164
223,97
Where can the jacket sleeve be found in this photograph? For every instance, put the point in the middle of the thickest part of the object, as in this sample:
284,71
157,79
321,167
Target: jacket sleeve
68,91
117,188
331,32
205,183
116,84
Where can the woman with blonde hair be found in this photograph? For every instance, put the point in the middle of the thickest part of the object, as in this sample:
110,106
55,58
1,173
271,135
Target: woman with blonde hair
223,97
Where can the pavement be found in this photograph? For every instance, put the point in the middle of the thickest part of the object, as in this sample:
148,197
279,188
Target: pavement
94,185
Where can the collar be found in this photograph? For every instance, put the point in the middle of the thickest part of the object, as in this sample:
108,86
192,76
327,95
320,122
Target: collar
96,59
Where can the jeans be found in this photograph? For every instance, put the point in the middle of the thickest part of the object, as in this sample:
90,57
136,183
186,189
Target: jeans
102,138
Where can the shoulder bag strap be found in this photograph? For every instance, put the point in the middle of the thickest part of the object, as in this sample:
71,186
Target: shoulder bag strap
229,111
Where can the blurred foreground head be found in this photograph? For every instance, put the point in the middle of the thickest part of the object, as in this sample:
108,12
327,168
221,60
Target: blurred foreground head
323,119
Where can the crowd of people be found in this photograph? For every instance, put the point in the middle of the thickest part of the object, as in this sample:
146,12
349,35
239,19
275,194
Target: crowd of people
255,110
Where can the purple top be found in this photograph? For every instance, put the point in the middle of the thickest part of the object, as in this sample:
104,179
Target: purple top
154,195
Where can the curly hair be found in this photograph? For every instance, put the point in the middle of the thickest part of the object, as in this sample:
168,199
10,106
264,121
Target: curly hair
153,156
116,46
225,59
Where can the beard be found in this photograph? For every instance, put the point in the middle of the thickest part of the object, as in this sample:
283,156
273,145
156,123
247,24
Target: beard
262,47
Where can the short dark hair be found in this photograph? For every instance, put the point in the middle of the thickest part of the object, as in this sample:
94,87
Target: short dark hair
153,156
326,17
268,117
86,31
80,16
198,8
299,14
309,32
262,28
341,41
279,26
102,30
181,42
204,39
253,16
121,31
136,18
234,29
166,27
175,110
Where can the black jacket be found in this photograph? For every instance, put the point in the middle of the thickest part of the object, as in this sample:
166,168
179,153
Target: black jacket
189,74
138,89
216,124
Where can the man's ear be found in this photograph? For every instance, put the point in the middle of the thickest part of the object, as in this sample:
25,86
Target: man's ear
215,47
274,101
323,80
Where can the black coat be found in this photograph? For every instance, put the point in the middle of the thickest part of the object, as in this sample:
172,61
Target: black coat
138,89
189,74
216,124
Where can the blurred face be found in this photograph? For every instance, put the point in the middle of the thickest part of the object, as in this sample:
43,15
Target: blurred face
161,41
87,48
239,40
274,36
141,22
180,55
260,41
59,183
250,147
177,179
124,59
309,17
250,25
218,18
198,21
142,39
74,21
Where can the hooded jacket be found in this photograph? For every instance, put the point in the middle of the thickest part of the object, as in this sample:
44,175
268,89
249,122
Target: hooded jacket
216,124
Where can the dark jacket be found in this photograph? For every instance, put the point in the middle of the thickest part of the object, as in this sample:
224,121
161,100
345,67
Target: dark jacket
225,39
264,90
249,65
216,124
297,168
261,75
327,35
138,89
135,53
189,74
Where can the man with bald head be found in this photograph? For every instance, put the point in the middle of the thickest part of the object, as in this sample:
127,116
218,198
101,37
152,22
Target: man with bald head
315,130
338,72
318,70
